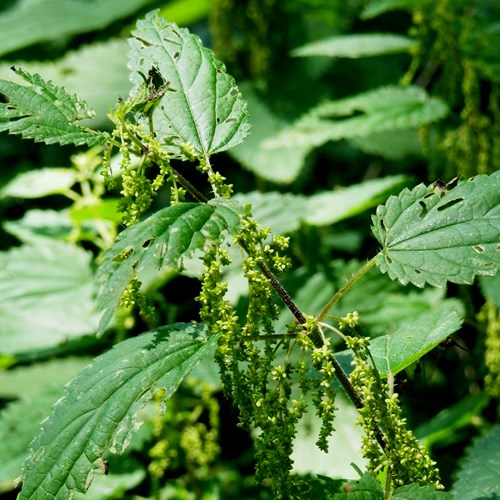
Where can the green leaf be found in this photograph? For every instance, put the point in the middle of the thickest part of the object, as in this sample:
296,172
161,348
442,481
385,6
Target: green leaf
365,488
46,296
163,239
44,112
381,110
34,21
376,7
428,236
419,492
20,420
98,412
40,182
330,207
394,352
97,73
394,145
185,12
18,382
353,46
490,286
19,424
201,105
284,212
479,476
124,474
281,165
445,428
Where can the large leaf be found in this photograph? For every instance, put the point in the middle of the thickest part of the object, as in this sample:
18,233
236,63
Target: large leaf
428,236
46,296
44,112
381,110
34,21
361,45
163,239
479,476
201,104
98,411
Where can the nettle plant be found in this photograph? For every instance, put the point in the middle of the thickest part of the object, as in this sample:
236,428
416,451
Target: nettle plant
184,106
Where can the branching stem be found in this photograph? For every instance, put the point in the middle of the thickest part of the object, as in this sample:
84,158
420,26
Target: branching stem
297,313
355,277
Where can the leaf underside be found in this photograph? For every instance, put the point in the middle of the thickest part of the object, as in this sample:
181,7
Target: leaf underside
359,45
163,239
430,236
44,112
201,104
381,110
98,410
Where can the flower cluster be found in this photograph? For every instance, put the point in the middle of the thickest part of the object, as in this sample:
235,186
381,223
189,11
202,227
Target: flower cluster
404,457
490,317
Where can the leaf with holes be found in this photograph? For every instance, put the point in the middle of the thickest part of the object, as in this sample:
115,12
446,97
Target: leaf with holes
434,234
98,411
198,104
163,239
44,112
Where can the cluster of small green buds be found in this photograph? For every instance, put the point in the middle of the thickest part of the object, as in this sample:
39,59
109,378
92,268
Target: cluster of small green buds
349,320
215,179
405,458
490,317
324,393
132,296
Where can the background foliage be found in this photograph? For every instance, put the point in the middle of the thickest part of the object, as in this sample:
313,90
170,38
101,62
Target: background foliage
349,102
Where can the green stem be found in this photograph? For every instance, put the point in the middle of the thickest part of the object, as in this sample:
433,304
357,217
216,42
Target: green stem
355,277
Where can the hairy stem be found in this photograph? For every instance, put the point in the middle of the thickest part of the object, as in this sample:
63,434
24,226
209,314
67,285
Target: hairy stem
355,277
297,313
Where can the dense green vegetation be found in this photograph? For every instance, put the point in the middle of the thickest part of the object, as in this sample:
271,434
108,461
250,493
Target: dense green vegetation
252,254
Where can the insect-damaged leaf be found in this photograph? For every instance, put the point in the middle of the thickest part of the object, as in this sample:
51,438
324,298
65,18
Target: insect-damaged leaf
163,239
198,103
433,236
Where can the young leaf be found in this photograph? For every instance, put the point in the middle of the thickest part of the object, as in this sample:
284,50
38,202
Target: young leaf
480,472
44,112
98,411
381,110
431,236
199,103
163,239
371,44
